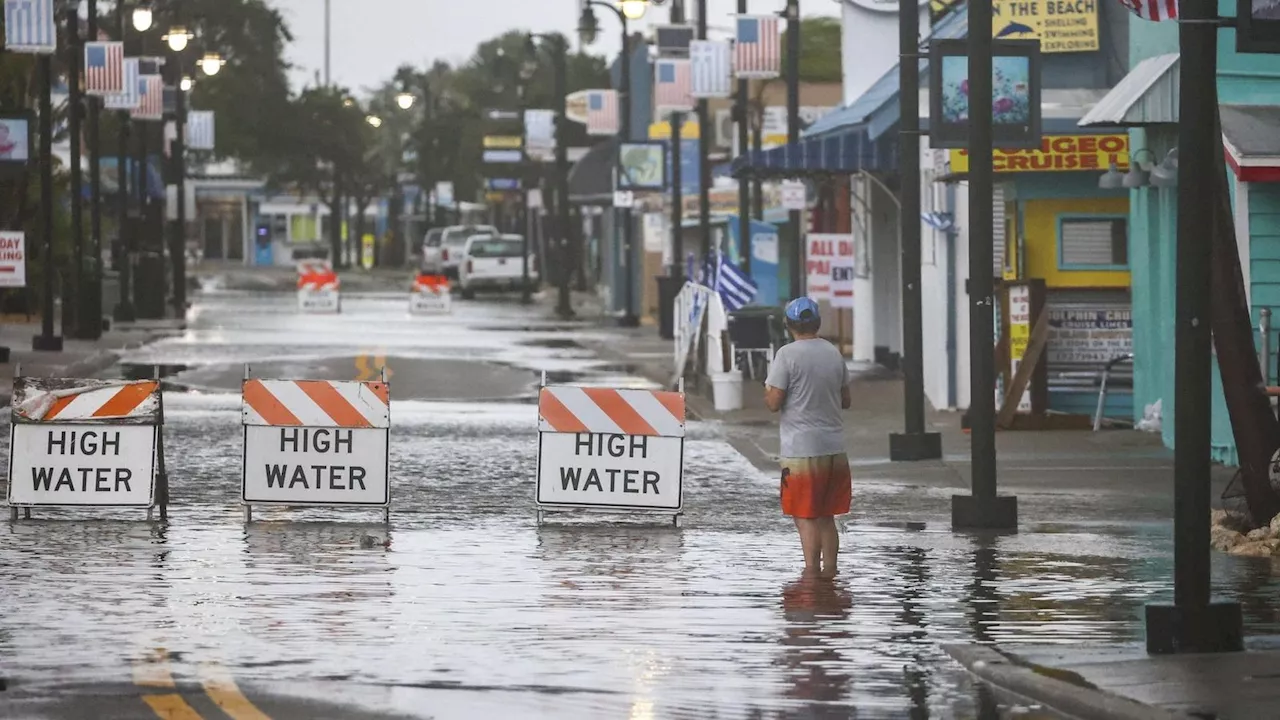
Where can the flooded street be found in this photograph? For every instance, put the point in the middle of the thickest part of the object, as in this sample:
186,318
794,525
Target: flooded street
474,610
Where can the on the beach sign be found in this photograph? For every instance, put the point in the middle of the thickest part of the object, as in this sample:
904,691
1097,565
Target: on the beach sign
1060,25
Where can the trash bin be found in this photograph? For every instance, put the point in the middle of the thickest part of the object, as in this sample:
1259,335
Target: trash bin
668,288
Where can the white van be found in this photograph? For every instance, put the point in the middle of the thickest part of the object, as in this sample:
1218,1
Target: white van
494,263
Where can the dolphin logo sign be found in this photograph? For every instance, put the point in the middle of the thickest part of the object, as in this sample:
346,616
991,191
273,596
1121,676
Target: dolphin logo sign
1014,28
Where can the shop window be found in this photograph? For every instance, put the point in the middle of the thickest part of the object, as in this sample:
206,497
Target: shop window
1093,243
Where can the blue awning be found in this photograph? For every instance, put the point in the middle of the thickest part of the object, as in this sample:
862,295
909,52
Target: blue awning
844,153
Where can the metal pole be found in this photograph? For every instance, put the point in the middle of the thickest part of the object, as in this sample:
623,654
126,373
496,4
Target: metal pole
983,509
178,245
677,199
793,137
123,310
629,318
328,36
1264,344
46,341
914,444
91,325
71,321
744,184
705,133
757,186
523,226
564,304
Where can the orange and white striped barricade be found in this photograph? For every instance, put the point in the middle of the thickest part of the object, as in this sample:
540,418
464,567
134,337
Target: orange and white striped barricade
85,443
430,295
316,442
608,449
319,290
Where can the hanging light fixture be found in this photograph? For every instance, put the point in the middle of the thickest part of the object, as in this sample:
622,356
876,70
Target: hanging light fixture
187,83
1139,174
211,63
405,100
1166,173
1112,179
142,16
178,38
588,25
374,120
633,9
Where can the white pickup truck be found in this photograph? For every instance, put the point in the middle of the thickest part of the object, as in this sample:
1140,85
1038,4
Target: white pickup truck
494,263
442,249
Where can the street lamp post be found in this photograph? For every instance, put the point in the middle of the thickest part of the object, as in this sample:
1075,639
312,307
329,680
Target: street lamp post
91,306
46,341
626,11
560,82
72,317
123,310
178,39
793,137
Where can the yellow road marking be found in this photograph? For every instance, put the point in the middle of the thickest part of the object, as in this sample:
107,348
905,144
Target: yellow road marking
222,689
171,707
371,371
153,670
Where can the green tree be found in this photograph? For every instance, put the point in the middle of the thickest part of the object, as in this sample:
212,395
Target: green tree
820,43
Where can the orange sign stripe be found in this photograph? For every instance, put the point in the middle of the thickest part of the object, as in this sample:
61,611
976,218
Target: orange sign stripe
673,402
126,400
630,421
58,406
557,415
381,390
332,403
266,405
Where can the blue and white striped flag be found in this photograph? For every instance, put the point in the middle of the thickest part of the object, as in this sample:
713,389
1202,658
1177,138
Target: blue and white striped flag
712,62
735,287
30,26
200,130
129,99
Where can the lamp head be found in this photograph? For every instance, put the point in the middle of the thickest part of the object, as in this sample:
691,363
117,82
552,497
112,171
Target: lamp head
211,63
633,9
1136,177
1112,179
178,38
374,120
186,83
143,17
588,25
405,100
1166,173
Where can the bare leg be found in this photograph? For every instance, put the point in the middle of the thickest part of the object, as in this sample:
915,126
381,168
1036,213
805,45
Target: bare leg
830,536
811,543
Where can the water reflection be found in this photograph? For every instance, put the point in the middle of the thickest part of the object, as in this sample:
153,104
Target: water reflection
814,611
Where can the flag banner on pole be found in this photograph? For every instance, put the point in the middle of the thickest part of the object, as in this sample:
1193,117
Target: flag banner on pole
127,98
758,50
711,61
602,112
672,84
539,134
1156,10
30,26
150,98
673,40
104,68
200,130
735,287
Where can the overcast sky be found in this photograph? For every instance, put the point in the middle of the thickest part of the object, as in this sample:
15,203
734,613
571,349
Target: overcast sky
373,37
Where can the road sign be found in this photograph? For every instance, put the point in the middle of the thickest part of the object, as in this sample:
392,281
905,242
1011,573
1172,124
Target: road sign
610,449
444,193
503,156
623,198
91,443
503,184
430,295
319,290
13,259
502,115
793,195
315,442
503,142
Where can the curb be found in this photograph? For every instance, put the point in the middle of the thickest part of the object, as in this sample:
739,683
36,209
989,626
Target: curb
1076,701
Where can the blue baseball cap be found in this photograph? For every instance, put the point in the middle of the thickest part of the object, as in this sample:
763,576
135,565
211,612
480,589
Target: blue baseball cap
802,309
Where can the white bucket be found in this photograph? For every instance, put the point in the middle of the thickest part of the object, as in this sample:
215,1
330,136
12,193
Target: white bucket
726,390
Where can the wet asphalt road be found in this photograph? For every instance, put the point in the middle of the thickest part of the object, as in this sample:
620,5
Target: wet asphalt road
477,611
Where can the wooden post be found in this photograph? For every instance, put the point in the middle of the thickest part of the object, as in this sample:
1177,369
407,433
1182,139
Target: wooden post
1027,367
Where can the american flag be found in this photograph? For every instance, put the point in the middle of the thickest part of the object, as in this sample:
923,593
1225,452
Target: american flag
712,63
200,130
671,84
758,51
30,26
1156,10
602,112
104,68
150,98
127,98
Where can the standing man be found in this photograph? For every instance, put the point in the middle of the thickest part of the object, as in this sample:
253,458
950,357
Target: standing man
809,383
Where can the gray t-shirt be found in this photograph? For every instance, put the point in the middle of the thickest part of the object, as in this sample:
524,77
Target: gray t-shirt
812,373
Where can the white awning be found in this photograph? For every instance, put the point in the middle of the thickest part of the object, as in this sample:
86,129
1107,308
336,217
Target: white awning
1148,95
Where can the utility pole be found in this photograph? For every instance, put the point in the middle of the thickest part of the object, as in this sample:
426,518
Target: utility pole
90,307
71,301
123,310
705,133
629,317
564,303
178,245
983,509
740,111
915,443
793,137
1194,623
677,176
46,341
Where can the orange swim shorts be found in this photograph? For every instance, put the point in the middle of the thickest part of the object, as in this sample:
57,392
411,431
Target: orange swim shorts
815,487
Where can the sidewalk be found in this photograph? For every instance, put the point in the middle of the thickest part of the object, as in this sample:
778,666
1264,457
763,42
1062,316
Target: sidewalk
79,358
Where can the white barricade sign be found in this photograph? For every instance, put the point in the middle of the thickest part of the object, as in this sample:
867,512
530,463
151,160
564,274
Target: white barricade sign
315,442
93,443
607,449
427,298
319,295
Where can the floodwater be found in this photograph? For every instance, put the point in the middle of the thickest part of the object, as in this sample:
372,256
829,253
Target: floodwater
475,610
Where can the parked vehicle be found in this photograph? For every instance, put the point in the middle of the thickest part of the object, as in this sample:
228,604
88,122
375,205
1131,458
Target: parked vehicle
453,244
430,262
494,263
